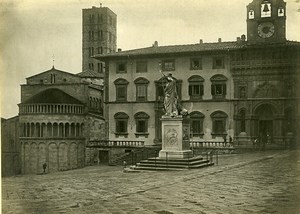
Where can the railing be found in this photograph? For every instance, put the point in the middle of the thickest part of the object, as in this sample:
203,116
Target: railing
210,144
50,108
115,143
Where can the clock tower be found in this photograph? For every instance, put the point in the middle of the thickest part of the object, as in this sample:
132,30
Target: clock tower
266,21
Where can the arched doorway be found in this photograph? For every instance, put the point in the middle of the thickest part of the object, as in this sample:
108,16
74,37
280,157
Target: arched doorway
265,116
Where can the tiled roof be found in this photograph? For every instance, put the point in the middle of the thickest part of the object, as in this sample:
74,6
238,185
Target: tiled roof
89,73
175,49
53,96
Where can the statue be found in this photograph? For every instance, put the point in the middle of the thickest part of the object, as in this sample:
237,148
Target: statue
170,100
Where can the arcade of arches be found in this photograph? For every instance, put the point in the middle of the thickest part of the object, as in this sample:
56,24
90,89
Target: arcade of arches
267,120
59,155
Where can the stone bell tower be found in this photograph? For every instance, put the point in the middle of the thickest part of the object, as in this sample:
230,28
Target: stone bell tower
266,21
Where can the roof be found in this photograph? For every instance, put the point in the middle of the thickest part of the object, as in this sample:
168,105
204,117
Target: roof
51,70
53,96
90,74
176,49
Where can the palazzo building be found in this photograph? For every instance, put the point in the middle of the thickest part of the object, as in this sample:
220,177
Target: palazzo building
243,89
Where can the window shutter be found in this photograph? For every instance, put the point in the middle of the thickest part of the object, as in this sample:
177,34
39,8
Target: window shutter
201,90
224,89
190,90
213,90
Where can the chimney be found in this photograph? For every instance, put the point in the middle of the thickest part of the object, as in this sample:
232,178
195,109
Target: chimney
201,41
243,38
119,49
155,44
220,40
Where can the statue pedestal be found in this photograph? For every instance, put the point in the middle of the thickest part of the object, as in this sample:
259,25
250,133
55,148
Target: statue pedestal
175,138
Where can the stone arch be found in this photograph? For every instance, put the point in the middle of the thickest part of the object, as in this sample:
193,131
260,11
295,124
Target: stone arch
42,157
26,158
73,155
55,130
53,161
63,156
265,109
81,151
33,158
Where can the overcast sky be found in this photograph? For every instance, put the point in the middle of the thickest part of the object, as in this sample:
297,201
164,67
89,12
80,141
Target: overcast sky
32,31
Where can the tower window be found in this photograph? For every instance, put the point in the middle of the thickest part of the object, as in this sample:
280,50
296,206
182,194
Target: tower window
280,12
266,9
251,14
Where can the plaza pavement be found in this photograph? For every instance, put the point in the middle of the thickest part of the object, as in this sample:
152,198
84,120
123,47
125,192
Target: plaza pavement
261,182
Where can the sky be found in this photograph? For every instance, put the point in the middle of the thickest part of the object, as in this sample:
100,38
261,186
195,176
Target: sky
32,31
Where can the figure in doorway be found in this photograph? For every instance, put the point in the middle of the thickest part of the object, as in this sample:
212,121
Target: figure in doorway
44,167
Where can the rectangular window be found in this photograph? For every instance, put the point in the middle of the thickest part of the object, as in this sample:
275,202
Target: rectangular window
218,90
121,126
219,126
121,92
141,92
141,126
196,64
196,90
91,66
168,65
141,67
197,128
99,67
218,63
121,67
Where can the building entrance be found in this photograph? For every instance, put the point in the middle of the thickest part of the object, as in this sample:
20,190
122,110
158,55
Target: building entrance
103,156
266,130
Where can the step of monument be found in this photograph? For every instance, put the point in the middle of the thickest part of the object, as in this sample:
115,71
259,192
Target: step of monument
174,162
172,165
168,168
177,159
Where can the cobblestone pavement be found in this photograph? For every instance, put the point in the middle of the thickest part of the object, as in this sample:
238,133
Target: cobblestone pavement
263,182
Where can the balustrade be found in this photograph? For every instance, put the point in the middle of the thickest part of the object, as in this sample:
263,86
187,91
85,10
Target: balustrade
115,143
51,109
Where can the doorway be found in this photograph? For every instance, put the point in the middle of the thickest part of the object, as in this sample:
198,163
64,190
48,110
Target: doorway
103,156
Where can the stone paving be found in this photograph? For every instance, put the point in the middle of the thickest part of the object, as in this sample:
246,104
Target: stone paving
262,182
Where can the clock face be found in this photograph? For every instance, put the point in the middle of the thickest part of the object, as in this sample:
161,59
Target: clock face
266,29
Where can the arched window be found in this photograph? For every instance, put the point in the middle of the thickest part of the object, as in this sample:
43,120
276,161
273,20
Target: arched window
141,121
218,86
218,123
196,87
121,89
121,121
196,124
141,88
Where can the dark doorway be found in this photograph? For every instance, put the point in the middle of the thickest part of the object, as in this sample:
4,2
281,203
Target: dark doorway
266,130
103,156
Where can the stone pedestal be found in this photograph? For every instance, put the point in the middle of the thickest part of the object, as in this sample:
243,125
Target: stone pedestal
175,138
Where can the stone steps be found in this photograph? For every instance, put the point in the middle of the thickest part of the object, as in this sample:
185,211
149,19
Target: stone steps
172,164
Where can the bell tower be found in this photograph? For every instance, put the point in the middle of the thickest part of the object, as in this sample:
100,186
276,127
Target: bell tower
266,21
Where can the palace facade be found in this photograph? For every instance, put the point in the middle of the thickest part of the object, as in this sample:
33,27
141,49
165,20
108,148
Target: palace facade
243,89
